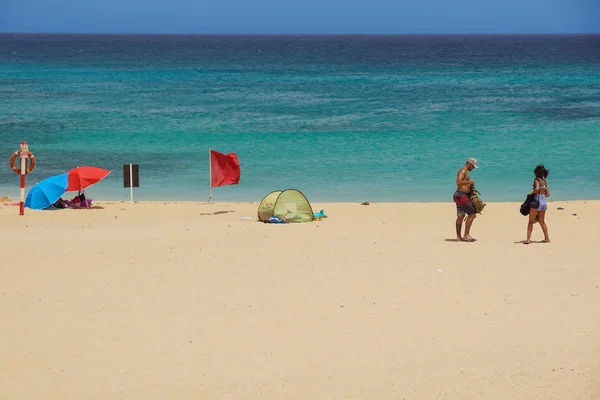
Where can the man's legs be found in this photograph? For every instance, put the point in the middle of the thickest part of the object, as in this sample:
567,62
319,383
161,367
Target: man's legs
470,220
465,207
459,221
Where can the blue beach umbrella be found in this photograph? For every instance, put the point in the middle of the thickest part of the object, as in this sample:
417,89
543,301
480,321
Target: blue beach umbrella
47,191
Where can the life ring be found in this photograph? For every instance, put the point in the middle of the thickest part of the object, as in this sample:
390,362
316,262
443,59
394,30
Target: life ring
16,169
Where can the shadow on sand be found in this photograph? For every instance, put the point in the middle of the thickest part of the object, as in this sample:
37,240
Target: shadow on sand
218,212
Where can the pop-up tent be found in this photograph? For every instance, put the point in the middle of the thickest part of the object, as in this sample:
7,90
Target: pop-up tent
288,205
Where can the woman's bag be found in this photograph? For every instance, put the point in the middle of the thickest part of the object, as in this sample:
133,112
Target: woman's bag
530,202
526,206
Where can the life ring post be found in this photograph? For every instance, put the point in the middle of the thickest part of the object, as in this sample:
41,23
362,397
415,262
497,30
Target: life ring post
23,154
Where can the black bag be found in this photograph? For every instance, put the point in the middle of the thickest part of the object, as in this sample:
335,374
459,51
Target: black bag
530,202
527,204
535,204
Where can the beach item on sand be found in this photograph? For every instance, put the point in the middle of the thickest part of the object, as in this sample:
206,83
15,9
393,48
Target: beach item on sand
80,201
478,204
76,203
82,177
289,203
47,192
320,215
277,219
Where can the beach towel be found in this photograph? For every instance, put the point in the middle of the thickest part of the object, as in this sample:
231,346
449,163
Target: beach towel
83,204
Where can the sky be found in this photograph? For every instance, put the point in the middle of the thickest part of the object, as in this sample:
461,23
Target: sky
300,16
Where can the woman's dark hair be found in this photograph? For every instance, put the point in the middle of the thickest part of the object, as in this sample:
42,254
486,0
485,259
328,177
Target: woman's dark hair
541,172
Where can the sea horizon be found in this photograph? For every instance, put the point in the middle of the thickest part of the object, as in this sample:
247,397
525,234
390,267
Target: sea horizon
267,34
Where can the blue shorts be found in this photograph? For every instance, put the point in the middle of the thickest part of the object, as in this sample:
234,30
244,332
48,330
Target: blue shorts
543,204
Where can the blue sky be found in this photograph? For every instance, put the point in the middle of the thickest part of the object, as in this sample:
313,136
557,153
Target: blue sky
295,16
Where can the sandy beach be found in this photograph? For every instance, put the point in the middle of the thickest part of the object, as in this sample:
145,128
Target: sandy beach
162,301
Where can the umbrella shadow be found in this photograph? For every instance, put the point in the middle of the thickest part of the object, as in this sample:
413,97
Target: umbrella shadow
87,208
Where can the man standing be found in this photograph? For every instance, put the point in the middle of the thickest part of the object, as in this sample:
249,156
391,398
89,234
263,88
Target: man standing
463,204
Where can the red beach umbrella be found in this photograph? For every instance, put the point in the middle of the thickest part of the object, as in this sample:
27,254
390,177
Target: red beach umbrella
82,177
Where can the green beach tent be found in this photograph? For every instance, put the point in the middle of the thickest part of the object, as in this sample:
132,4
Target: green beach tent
289,205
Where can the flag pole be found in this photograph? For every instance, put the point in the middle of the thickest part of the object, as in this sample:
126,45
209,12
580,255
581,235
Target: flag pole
209,184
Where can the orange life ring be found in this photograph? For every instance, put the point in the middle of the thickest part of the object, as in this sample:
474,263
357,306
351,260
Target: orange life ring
16,169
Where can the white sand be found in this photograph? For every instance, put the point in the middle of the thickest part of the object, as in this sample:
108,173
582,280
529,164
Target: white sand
165,302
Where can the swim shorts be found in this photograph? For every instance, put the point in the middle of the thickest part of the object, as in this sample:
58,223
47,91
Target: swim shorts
463,204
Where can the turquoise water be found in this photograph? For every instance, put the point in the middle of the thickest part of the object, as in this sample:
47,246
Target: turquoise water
342,118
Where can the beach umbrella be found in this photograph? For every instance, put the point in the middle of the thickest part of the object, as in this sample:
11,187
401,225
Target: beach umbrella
46,192
82,177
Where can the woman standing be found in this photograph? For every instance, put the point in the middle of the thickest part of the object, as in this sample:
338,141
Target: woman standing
539,204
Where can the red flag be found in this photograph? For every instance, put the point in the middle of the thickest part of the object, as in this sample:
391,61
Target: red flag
224,169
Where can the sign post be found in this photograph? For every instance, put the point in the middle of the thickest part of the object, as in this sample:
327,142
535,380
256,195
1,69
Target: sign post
131,178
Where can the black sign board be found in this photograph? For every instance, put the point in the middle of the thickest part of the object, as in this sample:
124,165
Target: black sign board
135,175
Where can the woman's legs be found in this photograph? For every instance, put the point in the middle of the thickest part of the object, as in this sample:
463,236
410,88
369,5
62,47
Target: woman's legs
542,221
532,214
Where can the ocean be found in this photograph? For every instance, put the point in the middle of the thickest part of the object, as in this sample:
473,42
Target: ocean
341,118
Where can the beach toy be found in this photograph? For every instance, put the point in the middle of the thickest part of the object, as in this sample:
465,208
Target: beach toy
320,214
